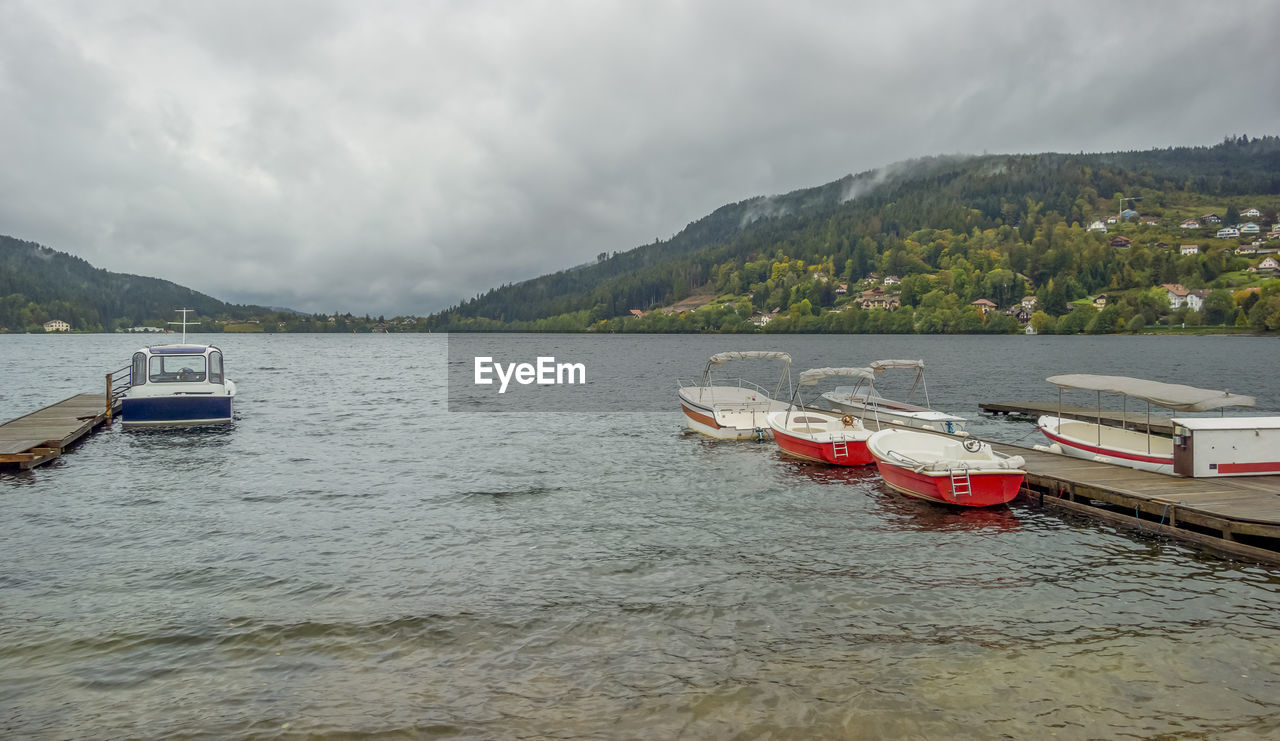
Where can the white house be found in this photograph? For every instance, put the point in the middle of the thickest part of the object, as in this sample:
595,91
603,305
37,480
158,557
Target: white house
1029,330
1268,263
1190,224
1251,213
1098,226
1195,299
1177,294
1190,249
56,325
1228,232
892,280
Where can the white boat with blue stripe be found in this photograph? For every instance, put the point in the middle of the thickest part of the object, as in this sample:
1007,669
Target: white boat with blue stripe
177,385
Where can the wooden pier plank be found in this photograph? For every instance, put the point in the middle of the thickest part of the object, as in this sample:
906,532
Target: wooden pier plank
1244,505
42,435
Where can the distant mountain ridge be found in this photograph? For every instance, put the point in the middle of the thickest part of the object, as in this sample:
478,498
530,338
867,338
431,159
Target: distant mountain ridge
877,211
38,283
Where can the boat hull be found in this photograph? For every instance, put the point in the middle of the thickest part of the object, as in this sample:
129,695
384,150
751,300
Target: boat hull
986,489
1078,448
171,411
852,453
728,413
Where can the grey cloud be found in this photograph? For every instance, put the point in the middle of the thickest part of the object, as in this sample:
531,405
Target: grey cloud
399,157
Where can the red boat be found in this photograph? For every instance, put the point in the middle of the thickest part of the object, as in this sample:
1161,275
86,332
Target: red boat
817,434
825,437
942,469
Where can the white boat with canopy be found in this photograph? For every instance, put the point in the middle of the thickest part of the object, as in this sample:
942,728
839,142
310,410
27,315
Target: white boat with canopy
1126,446
735,409
819,434
866,403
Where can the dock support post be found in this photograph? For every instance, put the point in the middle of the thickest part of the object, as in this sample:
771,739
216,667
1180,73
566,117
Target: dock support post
109,400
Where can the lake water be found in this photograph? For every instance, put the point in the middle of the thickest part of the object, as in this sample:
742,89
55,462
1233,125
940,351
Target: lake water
352,557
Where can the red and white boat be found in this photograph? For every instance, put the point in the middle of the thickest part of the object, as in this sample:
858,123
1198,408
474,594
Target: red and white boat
819,435
733,409
1127,446
942,469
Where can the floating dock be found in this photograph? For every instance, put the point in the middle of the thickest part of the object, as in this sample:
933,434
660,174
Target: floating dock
1133,420
1236,517
41,436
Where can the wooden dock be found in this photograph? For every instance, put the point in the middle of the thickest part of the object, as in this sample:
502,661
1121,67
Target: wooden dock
1236,517
1160,425
42,435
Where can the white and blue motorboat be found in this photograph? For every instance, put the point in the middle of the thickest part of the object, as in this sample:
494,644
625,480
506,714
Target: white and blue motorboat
176,385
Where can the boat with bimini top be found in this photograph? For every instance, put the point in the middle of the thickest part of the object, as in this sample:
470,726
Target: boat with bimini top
943,469
177,385
733,409
1121,445
865,402
821,435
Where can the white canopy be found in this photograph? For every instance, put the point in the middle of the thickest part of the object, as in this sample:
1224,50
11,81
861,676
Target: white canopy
812,376
879,366
1172,395
725,357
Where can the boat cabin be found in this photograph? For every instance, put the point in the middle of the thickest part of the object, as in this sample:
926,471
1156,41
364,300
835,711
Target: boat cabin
176,364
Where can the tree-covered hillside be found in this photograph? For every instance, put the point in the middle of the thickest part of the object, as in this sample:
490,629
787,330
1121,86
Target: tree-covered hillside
38,284
954,229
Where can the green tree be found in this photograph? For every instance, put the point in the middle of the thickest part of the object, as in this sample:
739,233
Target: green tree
1218,307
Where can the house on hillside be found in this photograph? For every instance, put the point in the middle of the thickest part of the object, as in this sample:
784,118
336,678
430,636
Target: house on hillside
1019,312
1029,303
1113,220
1269,264
876,298
842,289
56,325
1177,294
1148,220
892,280
638,313
983,305
1190,249
1098,226
1127,214
1250,228
1211,219
761,320
1250,213
1195,299
1246,249
1121,242
1228,232
1100,301
1190,224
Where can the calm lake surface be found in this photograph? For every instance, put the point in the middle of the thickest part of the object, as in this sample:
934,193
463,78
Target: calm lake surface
352,557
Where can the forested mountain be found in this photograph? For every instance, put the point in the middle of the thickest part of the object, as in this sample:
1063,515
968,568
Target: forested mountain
954,229
38,284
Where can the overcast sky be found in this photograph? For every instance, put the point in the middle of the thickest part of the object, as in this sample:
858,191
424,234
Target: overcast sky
396,157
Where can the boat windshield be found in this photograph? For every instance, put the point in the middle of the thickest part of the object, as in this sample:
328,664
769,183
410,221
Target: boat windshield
176,368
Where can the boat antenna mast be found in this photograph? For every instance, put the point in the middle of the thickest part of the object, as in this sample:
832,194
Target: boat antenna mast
184,322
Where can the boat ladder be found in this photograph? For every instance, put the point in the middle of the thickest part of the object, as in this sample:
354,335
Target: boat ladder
960,483
840,449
